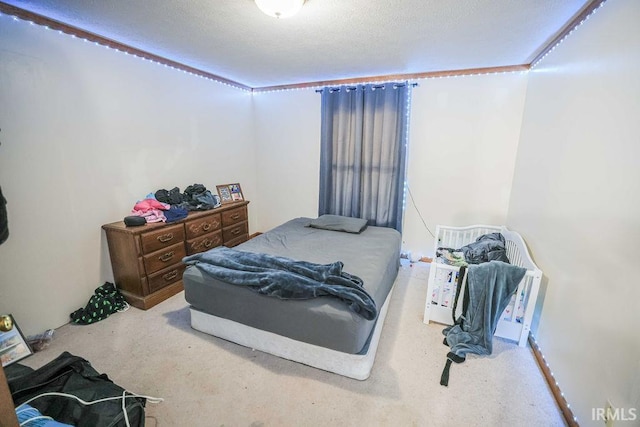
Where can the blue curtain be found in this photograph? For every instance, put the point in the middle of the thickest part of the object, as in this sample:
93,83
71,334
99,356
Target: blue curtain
363,152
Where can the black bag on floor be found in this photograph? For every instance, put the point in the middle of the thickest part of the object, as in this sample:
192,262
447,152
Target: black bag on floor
74,375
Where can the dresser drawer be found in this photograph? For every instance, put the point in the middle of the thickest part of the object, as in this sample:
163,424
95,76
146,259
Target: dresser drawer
200,226
235,231
234,216
235,242
166,277
204,243
162,238
164,258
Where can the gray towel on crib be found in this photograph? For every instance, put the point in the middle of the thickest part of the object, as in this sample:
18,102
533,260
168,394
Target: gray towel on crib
490,287
285,278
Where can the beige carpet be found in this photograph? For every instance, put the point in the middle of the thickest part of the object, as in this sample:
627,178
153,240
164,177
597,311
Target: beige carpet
206,381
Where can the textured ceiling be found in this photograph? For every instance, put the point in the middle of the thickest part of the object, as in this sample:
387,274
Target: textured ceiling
328,39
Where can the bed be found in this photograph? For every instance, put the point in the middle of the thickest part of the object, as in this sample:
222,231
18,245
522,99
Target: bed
320,332
515,321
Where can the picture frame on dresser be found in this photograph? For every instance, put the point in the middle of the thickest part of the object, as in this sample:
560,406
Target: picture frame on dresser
230,193
224,193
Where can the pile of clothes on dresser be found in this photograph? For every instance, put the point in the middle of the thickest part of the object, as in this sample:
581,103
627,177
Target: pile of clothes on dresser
172,205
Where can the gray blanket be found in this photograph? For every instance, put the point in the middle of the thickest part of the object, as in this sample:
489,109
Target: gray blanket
490,287
488,247
285,278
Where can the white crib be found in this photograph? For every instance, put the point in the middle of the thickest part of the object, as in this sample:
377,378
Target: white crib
515,322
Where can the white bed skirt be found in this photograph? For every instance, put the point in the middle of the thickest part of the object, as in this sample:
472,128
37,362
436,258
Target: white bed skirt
356,366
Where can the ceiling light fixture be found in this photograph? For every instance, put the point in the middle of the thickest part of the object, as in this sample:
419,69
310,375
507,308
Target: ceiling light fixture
280,8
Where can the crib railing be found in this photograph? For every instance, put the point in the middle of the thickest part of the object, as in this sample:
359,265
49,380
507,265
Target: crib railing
456,237
515,322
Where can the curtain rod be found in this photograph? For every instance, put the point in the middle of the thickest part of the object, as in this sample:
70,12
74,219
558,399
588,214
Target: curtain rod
378,86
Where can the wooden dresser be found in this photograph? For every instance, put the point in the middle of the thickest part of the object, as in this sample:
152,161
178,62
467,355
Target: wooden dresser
147,260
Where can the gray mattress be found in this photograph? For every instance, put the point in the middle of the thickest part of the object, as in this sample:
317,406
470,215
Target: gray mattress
372,255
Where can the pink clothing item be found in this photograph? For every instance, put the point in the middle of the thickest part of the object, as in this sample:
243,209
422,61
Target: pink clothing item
151,210
152,215
149,204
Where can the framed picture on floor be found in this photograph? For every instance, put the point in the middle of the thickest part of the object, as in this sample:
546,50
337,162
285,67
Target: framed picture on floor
13,345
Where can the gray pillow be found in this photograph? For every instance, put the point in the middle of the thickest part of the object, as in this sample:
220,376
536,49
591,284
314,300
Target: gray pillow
339,223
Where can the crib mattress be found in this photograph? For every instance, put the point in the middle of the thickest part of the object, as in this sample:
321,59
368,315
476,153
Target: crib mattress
373,255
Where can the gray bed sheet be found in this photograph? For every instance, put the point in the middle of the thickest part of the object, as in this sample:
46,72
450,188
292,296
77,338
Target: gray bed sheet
373,255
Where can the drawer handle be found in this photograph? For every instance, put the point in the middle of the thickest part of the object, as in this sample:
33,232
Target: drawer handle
235,216
170,275
166,257
236,231
208,243
165,238
206,226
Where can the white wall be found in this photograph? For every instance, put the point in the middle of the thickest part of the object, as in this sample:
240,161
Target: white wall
86,132
287,136
463,142
576,200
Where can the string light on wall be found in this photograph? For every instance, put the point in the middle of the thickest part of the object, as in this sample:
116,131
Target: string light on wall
563,36
145,56
280,8
277,9
427,76
571,419
77,34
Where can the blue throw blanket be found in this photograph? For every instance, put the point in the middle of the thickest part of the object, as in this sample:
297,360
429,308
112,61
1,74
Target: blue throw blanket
285,278
490,287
